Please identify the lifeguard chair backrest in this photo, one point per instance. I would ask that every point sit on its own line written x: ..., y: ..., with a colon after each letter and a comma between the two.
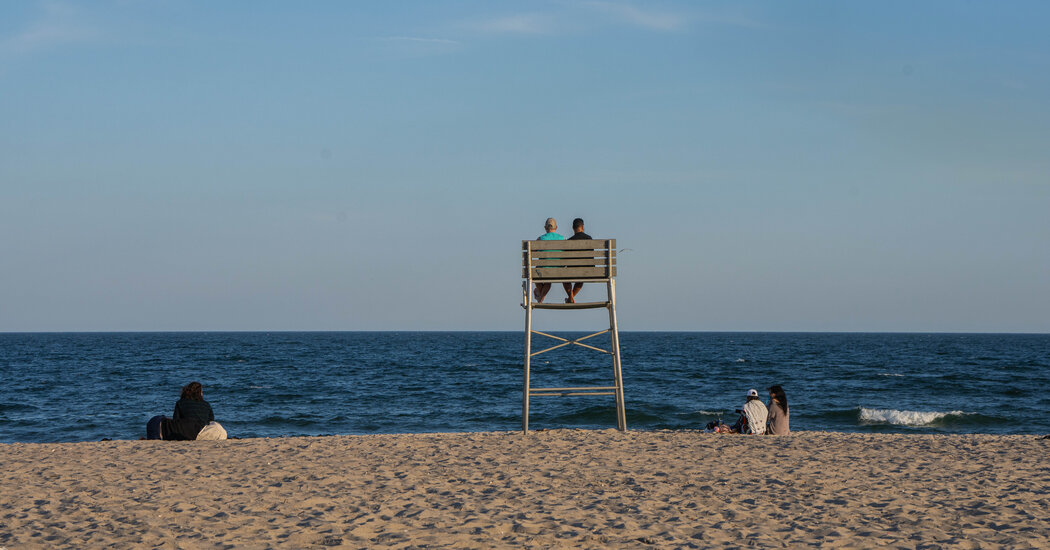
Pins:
x: 577, y: 260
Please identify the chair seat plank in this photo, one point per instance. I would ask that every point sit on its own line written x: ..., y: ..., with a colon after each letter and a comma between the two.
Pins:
x: 580, y: 244
x: 541, y: 254
x: 574, y: 262
x: 577, y: 305
x: 573, y: 272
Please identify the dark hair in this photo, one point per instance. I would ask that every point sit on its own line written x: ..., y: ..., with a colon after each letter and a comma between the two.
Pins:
x: 778, y: 395
x: 577, y: 223
x: 193, y: 391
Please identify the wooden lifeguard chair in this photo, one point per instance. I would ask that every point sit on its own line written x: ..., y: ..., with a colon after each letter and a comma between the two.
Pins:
x: 571, y: 261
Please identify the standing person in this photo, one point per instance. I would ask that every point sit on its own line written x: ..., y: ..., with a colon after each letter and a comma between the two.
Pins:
x: 549, y: 226
x: 571, y: 290
x: 778, y: 412
x: 192, y: 413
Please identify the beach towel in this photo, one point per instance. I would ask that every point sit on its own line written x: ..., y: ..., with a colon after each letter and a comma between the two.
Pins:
x: 756, y: 414
x: 213, y: 431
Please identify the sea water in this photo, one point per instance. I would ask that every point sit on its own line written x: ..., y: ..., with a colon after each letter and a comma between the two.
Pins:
x: 84, y: 386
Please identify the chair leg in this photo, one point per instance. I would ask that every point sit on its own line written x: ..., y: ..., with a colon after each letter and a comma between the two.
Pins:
x: 528, y: 358
x: 621, y: 413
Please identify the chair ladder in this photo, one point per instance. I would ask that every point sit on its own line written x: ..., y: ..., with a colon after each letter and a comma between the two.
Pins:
x: 616, y: 389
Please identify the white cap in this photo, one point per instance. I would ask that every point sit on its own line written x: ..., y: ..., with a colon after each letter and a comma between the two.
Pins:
x: 752, y: 393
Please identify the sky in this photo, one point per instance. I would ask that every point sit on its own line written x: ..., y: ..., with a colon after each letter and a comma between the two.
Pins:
x: 764, y: 166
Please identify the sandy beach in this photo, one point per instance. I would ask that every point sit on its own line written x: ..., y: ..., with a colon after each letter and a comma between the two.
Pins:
x: 559, y: 488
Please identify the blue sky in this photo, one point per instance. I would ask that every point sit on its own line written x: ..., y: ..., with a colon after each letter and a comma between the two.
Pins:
x: 821, y: 166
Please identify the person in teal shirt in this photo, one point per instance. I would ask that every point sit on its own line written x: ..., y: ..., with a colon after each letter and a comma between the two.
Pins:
x: 550, y: 226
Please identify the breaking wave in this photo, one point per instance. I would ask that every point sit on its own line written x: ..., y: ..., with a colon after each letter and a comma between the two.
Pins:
x: 906, y: 418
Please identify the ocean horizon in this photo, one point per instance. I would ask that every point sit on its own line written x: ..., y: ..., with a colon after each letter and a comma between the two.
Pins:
x: 84, y: 386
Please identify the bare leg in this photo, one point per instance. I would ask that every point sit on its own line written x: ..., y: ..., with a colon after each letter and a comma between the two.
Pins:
x: 576, y: 290
x: 541, y: 291
x: 570, y: 296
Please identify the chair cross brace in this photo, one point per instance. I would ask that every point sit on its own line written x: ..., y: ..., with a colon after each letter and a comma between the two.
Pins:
x: 568, y: 342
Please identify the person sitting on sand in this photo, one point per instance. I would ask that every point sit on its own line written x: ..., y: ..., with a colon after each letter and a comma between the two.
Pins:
x: 191, y: 414
x: 778, y: 412
x: 550, y: 226
x: 753, y: 416
x: 571, y: 289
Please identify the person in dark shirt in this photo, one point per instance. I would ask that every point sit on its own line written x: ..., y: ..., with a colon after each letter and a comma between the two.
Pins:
x: 191, y: 414
x: 571, y: 289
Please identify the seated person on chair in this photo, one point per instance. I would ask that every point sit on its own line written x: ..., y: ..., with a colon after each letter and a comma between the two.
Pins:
x: 571, y: 290
x: 543, y: 288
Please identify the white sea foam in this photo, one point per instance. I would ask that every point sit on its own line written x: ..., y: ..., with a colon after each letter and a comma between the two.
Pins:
x: 889, y: 374
x: 903, y: 418
x: 711, y: 413
x: 741, y: 360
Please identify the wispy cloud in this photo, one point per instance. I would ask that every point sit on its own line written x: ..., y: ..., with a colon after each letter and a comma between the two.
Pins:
x: 632, y: 15
x: 57, y: 26
x: 422, y: 40
x: 524, y: 23
x: 584, y: 15
x: 730, y: 20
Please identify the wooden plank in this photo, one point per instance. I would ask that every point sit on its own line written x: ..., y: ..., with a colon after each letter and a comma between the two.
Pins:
x: 575, y: 394
x: 593, y: 262
x: 578, y: 388
x: 571, y: 245
x: 601, y: 279
x: 563, y: 305
x: 573, y: 272
x: 573, y: 254
x: 587, y: 280
x: 582, y: 244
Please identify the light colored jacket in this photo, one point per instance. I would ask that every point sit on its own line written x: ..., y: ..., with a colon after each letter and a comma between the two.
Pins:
x: 756, y: 414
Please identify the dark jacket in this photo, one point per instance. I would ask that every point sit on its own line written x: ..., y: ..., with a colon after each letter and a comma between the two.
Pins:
x: 190, y: 416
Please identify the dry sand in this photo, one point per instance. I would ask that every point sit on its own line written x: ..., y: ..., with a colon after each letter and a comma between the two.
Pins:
x: 561, y: 488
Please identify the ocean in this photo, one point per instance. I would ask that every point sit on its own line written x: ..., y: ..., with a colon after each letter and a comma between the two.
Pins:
x: 59, y: 387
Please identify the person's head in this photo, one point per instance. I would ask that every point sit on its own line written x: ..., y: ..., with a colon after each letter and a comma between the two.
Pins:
x: 776, y: 393
x: 752, y: 395
x: 550, y: 225
x: 193, y: 391
x: 577, y: 225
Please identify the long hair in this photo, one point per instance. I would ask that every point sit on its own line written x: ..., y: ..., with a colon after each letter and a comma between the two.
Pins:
x: 193, y: 391
x: 779, y: 397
